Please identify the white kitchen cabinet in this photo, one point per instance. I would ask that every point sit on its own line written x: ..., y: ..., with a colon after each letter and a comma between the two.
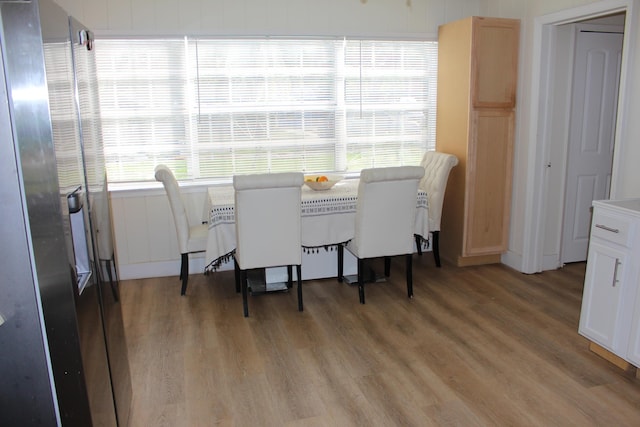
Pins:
x: 602, y: 299
x: 633, y: 352
x: 610, y: 314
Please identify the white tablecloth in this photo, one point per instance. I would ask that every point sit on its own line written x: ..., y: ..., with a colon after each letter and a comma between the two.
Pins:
x: 328, y: 218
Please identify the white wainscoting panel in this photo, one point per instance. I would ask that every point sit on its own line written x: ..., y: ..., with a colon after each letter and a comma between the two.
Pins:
x: 146, y: 244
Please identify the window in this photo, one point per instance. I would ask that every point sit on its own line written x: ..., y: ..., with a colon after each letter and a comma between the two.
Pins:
x: 211, y: 108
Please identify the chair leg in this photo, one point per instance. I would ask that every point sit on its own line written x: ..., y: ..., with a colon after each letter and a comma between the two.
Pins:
x: 340, y: 263
x: 418, y: 244
x: 184, y: 273
x: 436, y: 247
x: 289, y: 277
x: 245, y: 303
x: 361, y: 280
x: 409, y: 275
x: 299, y: 272
x: 387, y: 266
x: 237, y: 275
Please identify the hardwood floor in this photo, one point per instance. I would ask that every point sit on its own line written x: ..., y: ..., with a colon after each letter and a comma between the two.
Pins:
x: 476, y: 346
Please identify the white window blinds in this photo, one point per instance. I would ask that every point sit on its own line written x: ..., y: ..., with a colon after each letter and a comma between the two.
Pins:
x: 211, y: 108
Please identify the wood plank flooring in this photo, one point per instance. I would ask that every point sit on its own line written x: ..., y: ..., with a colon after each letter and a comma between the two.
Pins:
x: 476, y: 346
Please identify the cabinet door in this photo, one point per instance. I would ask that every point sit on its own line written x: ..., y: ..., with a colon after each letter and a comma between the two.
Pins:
x: 494, y: 62
x: 633, y: 352
x: 488, y: 195
x: 603, y: 297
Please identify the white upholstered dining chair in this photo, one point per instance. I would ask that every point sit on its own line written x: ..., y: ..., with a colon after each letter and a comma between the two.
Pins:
x: 191, y: 238
x: 268, y: 226
x: 385, y: 217
x: 437, y: 166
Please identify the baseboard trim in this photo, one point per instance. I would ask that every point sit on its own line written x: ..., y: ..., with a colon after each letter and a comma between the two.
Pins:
x: 163, y: 269
x: 320, y: 264
x: 467, y: 261
x: 513, y: 260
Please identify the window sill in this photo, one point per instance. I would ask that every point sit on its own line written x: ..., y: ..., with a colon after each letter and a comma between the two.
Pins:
x: 142, y: 188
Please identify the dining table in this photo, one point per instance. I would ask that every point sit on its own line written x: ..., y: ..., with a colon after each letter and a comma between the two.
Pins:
x: 327, y: 219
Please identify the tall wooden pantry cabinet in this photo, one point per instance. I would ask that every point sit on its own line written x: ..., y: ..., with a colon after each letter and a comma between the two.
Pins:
x: 477, y: 77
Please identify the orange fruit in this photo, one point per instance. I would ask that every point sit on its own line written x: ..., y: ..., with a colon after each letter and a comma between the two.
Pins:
x: 323, y: 179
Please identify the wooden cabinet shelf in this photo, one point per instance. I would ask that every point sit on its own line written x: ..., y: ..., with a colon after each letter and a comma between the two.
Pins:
x: 477, y: 76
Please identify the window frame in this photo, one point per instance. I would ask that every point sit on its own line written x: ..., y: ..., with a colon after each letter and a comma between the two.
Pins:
x: 187, y: 140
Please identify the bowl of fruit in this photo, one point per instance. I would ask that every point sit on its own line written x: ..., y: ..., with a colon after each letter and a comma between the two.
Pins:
x: 321, y: 182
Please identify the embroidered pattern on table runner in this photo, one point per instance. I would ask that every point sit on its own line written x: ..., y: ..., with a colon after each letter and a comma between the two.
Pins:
x: 312, y: 204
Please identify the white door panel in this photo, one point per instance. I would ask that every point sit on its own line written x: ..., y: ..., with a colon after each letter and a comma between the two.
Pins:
x: 586, y: 187
x: 592, y: 127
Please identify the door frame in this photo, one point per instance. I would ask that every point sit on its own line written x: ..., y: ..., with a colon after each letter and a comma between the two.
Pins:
x: 540, y: 117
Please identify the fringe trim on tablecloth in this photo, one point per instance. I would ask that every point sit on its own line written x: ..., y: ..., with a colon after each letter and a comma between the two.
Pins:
x: 216, y: 263
x: 327, y: 248
x: 424, y: 243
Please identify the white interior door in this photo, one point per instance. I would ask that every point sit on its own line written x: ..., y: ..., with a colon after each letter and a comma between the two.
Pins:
x: 596, y: 78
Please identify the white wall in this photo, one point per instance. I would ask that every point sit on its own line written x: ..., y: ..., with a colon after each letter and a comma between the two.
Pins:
x: 527, y: 245
x: 389, y: 18
x: 270, y: 17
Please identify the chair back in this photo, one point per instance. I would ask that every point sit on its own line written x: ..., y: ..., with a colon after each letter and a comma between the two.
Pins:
x: 437, y: 167
x: 164, y: 175
x: 386, y: 210
x: 268, y: 223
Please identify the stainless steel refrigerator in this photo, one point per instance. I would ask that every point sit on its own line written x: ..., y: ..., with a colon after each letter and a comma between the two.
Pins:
x: 63, y: 356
